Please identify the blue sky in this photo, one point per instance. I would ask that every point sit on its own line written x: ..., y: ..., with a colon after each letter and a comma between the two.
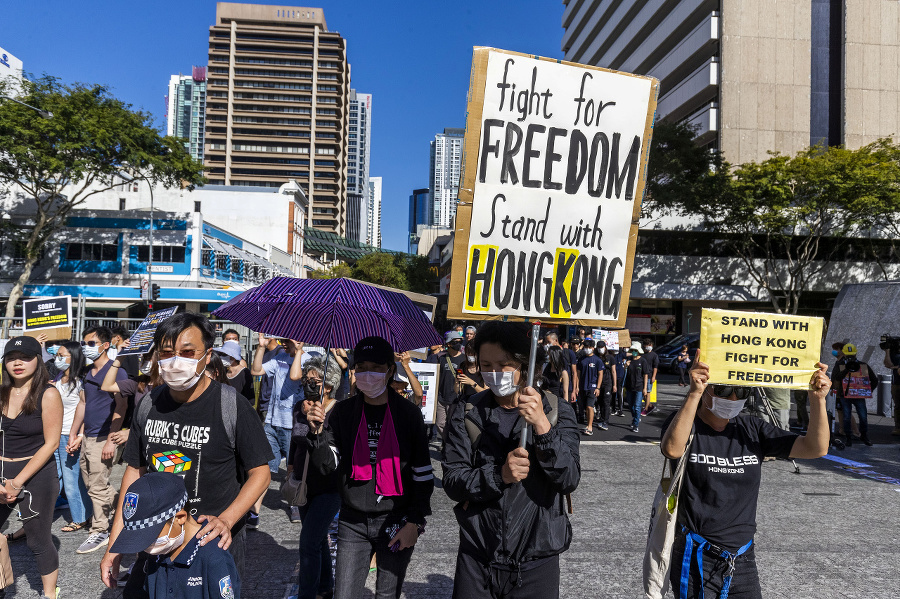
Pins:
x: 414, y: 56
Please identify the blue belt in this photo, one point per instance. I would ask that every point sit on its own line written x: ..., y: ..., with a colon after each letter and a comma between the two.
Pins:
x: 694, y: 542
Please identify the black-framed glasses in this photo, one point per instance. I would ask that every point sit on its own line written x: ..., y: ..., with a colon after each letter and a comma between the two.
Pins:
x: 91, y: 343
x: 726, y: 391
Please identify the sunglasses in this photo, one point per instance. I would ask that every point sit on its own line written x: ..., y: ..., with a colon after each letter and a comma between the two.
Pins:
x: 726, y: 391
x: 91, y: 343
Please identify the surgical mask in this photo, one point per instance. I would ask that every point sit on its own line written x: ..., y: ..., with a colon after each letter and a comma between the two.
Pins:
x: 112, y: 352
x: 500, y: 382
x: 166, y: 544
x: 648, y: 348
x: 588, y: 351
x: 146, y: 366
x: 602, y: 350
x: 834, y: 353
x: 61, y: 364
x: 471, y: 359
x: 52, y: 350
x: 372, y: 384
x: 726, y: 408
x: 91, y: 352
x: 180, y: 374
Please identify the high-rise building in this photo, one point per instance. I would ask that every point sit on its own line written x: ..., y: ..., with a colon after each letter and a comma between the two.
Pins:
x: 277, y: 103
x: 420, y: 213
x: 10, y: 73
x: 446, y: 160
x: 186, y: 109
x: 374, y: 212
x: 359, y: 160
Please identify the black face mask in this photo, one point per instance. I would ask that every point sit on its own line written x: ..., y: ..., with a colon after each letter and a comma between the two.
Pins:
x: 311, y: 391
x: 455, y: 345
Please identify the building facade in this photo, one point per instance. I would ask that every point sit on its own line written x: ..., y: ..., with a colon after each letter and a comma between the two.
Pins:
x: 277, y: 105
x: 420, y: 213
x: 446, y: 163
x: 373, y: 215
x: 186, y: 110
x: 11, y: 69
x: 359, y: 159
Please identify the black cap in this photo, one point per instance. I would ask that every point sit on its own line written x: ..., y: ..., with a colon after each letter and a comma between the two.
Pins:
x: 150, y: 502
x: 26, y: 345
x: 600, y: 343
x: 373, y: 349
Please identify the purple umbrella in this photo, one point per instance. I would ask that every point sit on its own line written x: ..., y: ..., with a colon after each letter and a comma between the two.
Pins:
x: 331, y: 313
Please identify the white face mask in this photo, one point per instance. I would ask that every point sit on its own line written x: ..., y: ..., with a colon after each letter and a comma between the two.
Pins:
x: 602, y: 350
x: 180, y: 374
x: 471, y: 359
x: 61, y: 364
x: 588, y: 351
x: 165, y: 544
x: 648, y: 348
x: 146, y: 366
x: 726, y: 408
x: 372, y: 384
x: 91, y: 352
x: 501, y: 383
x: 112, y: 352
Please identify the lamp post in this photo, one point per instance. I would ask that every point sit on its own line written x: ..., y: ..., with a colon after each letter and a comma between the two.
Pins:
x: 688, y: 316
x: 44, y: 113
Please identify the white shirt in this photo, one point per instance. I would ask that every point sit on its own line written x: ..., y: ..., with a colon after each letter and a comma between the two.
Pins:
x: 70, y: 394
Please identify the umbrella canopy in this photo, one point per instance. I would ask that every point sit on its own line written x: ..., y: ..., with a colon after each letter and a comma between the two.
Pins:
x: 331, y: 313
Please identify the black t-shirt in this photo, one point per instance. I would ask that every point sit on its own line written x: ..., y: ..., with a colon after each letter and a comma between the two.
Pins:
x: 374, y: 420
x: 131, y: 364
x: 608, y: 365
x: 651, y: 359
x: 634, y: 375
x: 243, y: 384
x: 189, y: 439
x: 447, y: 389
x: 721, y: 481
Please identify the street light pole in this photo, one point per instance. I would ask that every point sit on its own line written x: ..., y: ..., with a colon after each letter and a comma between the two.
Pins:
x: 150, y: 264
x: 44, y: 113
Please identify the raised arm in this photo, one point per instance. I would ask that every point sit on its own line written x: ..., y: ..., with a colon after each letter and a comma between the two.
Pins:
x: 818, y: 434
x: 257, y: 368
x: 109, y: 381
x: 296, y: 372
x: 675, y: 439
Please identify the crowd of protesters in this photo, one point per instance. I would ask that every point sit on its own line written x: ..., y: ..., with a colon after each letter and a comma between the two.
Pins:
x: 203, y: 432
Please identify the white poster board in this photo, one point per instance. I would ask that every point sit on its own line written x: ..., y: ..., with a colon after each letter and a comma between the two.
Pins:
x: 555, y: 182
x: 427, y: 375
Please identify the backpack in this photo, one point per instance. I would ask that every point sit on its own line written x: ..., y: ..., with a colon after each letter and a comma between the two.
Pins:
x: 475, y: 432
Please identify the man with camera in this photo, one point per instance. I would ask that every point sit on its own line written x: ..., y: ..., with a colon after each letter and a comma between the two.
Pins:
x: 891, y: 347
x: 854, y: 383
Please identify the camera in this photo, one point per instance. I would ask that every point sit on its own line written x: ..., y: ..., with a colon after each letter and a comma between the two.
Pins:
x: 891, y: 345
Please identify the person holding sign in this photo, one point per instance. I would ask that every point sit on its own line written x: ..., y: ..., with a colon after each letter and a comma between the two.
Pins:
x: 713, y: 554
x: 512, y: 528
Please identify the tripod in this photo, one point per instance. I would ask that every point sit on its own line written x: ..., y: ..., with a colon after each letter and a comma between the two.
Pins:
x: 761, y: 394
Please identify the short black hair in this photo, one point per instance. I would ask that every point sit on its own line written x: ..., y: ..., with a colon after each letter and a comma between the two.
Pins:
x: 172, y: 327
x: 120, y: 332
x: 512, y: 337
x: 230, y: 332
x: 648, y: 341
x: 103, y: 333
x: 589, y: 343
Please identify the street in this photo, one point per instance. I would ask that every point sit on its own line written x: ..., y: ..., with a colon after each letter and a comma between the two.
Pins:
x: 822, y: 533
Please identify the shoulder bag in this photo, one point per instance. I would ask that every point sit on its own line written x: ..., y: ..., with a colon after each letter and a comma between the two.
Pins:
x: 293, y: 491
x: 663, y: 522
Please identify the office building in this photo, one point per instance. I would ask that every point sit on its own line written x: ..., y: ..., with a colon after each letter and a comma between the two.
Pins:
x: 359, y: 159
x: 277, y: 104
x: 446, y: 160
x: 11, y: 70
x: 186, y: 110
x: 373, y: 219
x: 420, y: 213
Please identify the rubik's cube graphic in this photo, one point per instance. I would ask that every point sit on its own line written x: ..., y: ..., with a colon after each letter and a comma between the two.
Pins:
x: 170, y: 461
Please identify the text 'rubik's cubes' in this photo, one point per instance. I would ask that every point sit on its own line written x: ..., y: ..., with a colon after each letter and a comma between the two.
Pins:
x: 170, y: 461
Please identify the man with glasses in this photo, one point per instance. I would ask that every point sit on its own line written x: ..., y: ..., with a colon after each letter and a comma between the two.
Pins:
x: 103, y: 414
x: 201, y: 430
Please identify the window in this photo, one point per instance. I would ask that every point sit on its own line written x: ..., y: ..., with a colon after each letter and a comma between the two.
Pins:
x: 197, y: 206
x: 94, y: 252
x: 121, y: 203
x: 161, y: 253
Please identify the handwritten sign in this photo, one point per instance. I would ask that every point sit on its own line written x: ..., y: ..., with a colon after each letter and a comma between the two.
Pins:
x: 141, y: 340
x: 752, y: 349
x: 554, y: 168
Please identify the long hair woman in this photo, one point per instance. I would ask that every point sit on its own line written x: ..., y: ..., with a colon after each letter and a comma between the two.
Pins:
x: 31, y: 425
x: 71, y: 364
x: 512, y: 523
x: 376, y: 442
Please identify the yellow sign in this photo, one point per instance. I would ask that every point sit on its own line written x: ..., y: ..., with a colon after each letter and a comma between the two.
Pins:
x: 753, y: 349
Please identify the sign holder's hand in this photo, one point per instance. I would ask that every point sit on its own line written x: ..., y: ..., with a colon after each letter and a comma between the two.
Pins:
x: 699, y: 375
x: 819, y: 384
x: 516, y: 467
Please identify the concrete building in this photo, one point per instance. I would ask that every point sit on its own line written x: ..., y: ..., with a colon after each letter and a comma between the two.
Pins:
x: 373, y: 218
x: 186, y: 110
x: 359, y: 160
x: 753, y: 76
x: 11, y: 69
x: 421, y: 213
x: 446, y: 162
x: 277, y: 105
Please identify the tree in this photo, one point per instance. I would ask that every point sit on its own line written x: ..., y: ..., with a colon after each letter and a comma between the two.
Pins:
x: 382, y: 268
x: 335, y: 272
x: 419, y: 274
x: 91, y: 139
x: 785, y: 217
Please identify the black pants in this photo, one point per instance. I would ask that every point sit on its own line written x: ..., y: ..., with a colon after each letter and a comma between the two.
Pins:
x: 744, y: 581
x: 360, y: 536
x: 603, y: 405
x: 44, y: 489
x: 682, y: 376
x: 476, y: 580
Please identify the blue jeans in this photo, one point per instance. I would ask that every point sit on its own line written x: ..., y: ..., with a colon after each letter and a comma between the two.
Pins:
x: 316, y: 575
x: 861, y: 410
x: 68, y: 469
x: 636, y: 399
x: 280, y: 442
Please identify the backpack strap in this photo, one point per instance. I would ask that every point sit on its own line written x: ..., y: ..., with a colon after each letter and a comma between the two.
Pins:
x: 229, y: 413
x: 475, y: 432
x: 143, y: 410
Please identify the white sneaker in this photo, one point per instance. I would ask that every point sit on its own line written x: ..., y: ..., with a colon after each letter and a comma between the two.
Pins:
x: 295, y: 515
x: 94, y: 542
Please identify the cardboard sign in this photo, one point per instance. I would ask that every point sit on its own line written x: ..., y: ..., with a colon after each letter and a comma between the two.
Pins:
x: 553, y: 176
x: 141, y: 340
x: 50, y: 316
x: 428, y: 376
x: 751, y: 349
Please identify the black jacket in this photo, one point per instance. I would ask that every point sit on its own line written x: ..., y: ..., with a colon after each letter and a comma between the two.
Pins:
x: 332, y: 450
x: 316, y: 482
x: 503, y: 524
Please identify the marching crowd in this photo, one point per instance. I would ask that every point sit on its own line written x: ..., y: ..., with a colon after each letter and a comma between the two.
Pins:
x: 200, y: 447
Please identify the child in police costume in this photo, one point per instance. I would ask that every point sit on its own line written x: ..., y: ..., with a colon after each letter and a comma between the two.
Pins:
x: 179, y: 567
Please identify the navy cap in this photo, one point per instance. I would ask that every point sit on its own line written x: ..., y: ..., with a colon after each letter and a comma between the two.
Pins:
x: 26, y: 345
x: 373, y: 349
x: 150, y: 502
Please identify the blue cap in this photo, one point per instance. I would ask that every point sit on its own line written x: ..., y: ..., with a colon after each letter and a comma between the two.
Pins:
x: 150, y: 502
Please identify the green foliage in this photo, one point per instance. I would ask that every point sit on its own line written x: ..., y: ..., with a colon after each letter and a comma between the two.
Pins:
x: 335, y: 272
x: 382, y: 268
x: 420, y: 275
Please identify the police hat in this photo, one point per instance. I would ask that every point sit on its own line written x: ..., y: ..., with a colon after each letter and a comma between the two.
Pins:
x: 150, y: 502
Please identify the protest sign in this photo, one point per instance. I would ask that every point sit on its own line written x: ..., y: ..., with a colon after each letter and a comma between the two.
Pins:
x: 51, y: 316
x: 753, y: 349
x: 141, y: 340
x: 427, y: 375
x: 554, y: 164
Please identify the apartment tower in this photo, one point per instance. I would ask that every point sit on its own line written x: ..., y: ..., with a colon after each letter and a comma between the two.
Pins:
x: 446, y: 162
x: 277, y: 104
x: 186, y: 110
x: 359, y: 160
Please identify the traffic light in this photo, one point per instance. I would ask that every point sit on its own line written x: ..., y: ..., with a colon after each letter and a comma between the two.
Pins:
x: 154, y: 292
